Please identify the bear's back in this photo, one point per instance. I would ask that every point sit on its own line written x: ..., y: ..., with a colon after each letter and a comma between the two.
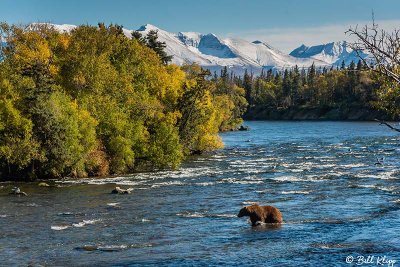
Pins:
x: 272, y: 214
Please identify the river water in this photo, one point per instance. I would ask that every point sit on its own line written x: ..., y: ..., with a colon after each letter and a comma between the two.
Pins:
x: 336, y: 202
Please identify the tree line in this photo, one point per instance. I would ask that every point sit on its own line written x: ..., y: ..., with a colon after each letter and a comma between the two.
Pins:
x: 353, y: 86
x: 93, y: 102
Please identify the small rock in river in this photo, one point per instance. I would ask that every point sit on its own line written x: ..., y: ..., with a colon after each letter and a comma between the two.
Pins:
x: 18, y: 192
x: 43, y: 184
x: 243, y: 128
x: 119, y: 190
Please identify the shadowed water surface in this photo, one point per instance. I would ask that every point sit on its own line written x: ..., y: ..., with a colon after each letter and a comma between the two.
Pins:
x: 322, y: 175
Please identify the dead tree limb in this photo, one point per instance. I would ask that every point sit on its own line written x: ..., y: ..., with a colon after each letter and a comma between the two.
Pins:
x: 383, y: 47
x: 388, y: 125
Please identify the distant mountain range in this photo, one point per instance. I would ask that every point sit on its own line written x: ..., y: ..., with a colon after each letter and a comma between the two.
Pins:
x: 332, y: 53
x: 213, y: 52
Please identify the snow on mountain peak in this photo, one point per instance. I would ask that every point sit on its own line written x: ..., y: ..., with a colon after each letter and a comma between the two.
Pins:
x: 147, y: 27
x: 211, y: 45
x: 333, y: 53
x: 258, y: 42
x: 190, y: 38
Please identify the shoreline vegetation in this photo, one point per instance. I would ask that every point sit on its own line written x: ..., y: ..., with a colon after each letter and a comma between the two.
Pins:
x: 352, y: 92
x: 93, y: 102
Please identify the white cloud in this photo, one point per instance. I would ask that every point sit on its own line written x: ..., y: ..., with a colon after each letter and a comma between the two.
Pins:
x: 287, y: 39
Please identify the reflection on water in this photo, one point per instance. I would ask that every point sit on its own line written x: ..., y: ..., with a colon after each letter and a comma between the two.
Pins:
x: 323, y: 176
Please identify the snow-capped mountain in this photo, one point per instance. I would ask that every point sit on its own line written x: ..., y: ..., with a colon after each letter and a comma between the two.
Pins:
x: 214, y: 53
x: 332, y: 53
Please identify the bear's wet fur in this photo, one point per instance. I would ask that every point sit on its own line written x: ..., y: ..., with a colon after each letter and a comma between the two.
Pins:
x: 263, y: 214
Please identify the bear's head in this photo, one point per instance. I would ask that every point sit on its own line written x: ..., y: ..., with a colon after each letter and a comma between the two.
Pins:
x: 246, y: 211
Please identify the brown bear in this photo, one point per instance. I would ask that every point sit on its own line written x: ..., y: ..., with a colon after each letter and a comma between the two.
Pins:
x: 263, y: 214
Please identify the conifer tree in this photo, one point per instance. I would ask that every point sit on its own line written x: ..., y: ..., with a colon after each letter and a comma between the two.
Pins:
x: 303, y: 77
x: 296, y: 85
x: 311, y: 82
x: 286, y: 88
x: 343, y: 65
x: 138, y: 36
x: 311, y: 75
x: 247, y: 85
x: 270, y: 75
x: 159, y: 47
x: 224, y: 74
x: 352, y: 78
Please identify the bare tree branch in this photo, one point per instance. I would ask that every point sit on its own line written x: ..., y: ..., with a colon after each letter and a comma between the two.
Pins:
x: 388, y: 125
x: 383, y: 46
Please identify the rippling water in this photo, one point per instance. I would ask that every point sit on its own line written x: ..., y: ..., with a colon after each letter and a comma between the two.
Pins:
x: 322, y: 175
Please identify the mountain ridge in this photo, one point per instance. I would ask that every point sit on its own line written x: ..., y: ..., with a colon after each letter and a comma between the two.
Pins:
x: 333, y: 53
x: 213, y: 52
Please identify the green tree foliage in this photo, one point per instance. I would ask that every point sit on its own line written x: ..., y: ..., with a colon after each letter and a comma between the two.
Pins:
x: 197, y: 126
x: 389, y: 96
x: 230, y: 100
x: 354, y: 86
x: 66, y: 134
x: 94, y: 102
x: 17, y: 146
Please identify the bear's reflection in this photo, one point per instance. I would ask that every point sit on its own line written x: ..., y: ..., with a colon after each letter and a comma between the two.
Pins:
x: 266, y: 227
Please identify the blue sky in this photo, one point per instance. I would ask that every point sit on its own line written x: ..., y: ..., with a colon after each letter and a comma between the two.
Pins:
x: 283, y: 23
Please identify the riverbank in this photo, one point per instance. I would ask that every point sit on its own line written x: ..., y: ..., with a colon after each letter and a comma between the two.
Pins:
x: 316, y: 113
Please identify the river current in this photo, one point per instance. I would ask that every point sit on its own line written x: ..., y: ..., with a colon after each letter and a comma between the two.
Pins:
x: 337, y: 185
